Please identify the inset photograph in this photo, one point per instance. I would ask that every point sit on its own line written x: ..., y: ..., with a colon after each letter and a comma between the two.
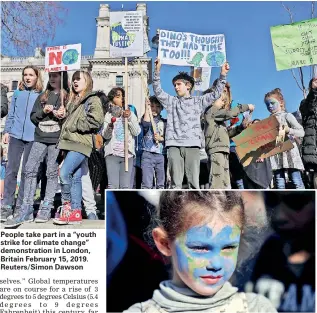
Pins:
x: 223, y: 251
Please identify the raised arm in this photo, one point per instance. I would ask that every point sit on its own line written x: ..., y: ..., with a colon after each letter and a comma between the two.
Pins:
x: 160, y: 94
x: 310, y: 103
x: 216, y: 92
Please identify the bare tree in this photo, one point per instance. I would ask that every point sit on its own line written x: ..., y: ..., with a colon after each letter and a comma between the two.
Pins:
x: 300, y: 80
x: 27, y: 25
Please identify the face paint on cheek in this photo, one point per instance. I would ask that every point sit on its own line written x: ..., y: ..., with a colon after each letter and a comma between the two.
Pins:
x: 182, y: 259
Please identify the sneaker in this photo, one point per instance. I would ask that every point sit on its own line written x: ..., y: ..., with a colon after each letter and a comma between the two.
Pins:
x: 68, y: 216
x: 44, y: 213
x: 5, y: 212
x: 92, y: 216
x: 23, y: 215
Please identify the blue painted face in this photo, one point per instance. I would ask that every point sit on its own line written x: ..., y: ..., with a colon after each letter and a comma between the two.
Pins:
x: 272, y: 105
x: 206, y: 256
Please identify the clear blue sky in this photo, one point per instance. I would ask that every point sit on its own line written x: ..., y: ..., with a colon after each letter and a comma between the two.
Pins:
x: 246, y: 26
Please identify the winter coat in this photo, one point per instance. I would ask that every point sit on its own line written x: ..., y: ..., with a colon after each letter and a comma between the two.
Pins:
x: 81, y: 123
x: 308, y: 110
x: 216, y: 133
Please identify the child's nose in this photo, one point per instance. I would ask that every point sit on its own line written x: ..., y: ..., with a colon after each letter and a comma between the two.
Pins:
x: 215, y: 264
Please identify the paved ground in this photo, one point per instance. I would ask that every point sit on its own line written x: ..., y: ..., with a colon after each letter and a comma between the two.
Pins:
x: 86, y: 224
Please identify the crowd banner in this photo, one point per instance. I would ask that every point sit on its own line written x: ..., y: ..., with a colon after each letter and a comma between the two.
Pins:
x: 258, y: 140
x: 63, y: 58
x: 126, y: 34
x: 187, y: 49
x: 202, y: 78
x: 295, y: 45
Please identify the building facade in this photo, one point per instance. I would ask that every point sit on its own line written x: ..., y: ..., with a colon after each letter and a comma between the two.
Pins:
x: 106, y: 72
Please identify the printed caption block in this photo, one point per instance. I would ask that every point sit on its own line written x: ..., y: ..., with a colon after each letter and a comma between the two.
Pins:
x: 53, y: 271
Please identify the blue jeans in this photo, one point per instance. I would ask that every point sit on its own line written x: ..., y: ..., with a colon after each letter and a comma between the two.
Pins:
x: 294, y: 176
x: 152, y: 163
x: 70, y: 176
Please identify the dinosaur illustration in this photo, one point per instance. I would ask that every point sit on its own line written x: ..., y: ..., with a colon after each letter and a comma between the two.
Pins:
x: 196, y: 59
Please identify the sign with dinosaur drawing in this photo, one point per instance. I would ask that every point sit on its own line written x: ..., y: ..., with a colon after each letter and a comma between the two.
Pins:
x: 187, y: 49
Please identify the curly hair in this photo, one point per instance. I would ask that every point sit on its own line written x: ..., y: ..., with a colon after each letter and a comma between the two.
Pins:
x: 113, y: 92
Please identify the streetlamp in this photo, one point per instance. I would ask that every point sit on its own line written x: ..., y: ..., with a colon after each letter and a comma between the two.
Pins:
x: 155, y: 40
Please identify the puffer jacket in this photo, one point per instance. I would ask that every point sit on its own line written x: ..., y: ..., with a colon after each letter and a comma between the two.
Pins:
x: 308, y: 110
x: 83, y: 119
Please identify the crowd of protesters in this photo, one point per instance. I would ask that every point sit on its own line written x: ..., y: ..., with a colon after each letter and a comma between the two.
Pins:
x: 79, y: 136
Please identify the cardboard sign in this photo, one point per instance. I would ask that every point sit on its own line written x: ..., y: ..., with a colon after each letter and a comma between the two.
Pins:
x: 258, y: 140
x: 187, y: 49
x: 126, y: 34
x: 263, y: 152
x: 295, y: 45
x: 63, y: 58
x: 258, y: 134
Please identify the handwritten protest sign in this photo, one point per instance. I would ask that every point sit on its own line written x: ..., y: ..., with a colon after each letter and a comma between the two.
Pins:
x: 295, y: 45
x: 202, y: 77
x: 187, y: 49
x: 263, y: 152
x: 63, y: 58
x: 258, y: 140
x: 126, y: 34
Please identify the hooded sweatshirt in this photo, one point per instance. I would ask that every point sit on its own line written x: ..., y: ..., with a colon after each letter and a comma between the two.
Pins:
x: 170, y: 298
x: 183, y: 128
x: 48, y: 127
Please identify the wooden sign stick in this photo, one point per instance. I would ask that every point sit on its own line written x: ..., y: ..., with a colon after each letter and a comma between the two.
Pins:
x: 126, y: 135
x: 146, y: 90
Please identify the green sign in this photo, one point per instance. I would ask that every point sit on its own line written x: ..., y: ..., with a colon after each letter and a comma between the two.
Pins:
x: 295, y: 45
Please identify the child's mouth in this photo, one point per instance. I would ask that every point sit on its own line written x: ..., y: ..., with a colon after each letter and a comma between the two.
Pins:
x: 211, y: 280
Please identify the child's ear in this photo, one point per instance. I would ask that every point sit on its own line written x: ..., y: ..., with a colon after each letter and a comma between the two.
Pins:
x: 161, y: 241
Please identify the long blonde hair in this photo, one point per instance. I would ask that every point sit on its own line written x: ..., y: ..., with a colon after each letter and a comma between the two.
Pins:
x: 39, y: 83
x: 89, y: 85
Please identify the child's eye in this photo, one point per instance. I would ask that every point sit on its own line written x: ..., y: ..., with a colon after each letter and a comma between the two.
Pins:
x: 199, y: 248
x: 229, y: 248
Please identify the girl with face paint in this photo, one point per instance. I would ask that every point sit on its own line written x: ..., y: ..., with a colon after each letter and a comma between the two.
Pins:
x: 290, y: 160
x: 201, y: 232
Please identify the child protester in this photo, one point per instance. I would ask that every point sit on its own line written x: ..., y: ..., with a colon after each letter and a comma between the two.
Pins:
x: 289, y: 160
x: 202, y: 233
x: 217, y: 139
x: 183, y: 129
x: 48, y: 127
x: 84, y: 117
x: 153, y: 146
x: 113, y: 132
x: 19, y: 130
